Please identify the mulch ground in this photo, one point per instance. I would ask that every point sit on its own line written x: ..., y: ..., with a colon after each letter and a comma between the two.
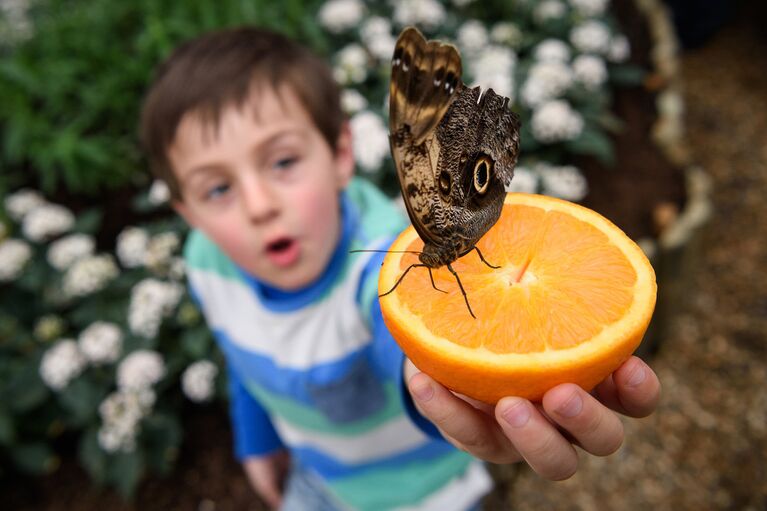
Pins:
x: 705, y: 446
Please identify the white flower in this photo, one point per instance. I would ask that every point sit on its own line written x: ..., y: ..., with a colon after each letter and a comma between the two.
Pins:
x: 619, y: 50
x: 590, y: 7
x: 506, y: 32
x: 14, y: 255
x: 472, y: 36
x: 61, y: 363
x: 525, y: 180
x: 376, y: 35
x: 565, y: 182
x: 101, y: 342
x: 176, y: 268
x: 590, y: 70
x: 591, y: 37
x: 494, y: 68
x: 151, y: 301
x: 17, y: 24
x: 159, y: 193
x: 546, y: 80
x: 552, y: 50
x: 132, y: 245
x: 351, y: 64
x: 555, y: 121
x: 374, y: 26
x: 47, y: 220
x: 140, y: 370
x: 65, y: 251
x: 429, y: 14
x: 20, y: 203
x: 340, y: 15
x: 160, y: 249
x: 89, y: 274
x: 121, y: 414
x: 198, y: 380
x: 352, y: 101
x: 370, y: 140
x: 549, y: 10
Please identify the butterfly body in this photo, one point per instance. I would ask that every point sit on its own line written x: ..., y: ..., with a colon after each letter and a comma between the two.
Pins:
x: 454, y: 148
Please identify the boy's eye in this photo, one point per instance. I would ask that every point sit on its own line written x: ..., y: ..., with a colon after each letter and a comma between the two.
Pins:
x: 216, y: 191
x: 284, y: 163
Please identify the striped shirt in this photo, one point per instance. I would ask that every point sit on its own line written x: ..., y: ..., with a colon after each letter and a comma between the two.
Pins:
x: 316, y: 371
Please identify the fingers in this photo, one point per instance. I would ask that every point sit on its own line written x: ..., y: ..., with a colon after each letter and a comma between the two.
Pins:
x: 540, y: 443
x: 594, y: 426
x: 463, y: 425
x: 633, y: 389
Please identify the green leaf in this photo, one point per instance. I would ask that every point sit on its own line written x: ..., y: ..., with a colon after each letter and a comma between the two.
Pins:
x: 162, y: 435
x: 82, y: 398
x: 88, y: 221
x: 91, y: 456
x: 34, y: 458
x: 627, y: 74
x: 195, y: 342
x: 7, y: 430
x: 26, y: 390
x: 593, y: 143
x: 125, y: 471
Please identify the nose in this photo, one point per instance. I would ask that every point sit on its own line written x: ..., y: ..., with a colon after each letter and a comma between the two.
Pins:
x: 258, y: 199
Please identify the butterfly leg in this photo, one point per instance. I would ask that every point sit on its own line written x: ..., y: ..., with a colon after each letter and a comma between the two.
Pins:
x: 463, y: 292
x: 432, y: 281
x: 483, y: 258
x: 400, y: 279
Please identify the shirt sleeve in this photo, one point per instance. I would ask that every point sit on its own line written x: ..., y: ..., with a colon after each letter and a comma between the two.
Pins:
x: 254, y: 434
x: 388, y: 356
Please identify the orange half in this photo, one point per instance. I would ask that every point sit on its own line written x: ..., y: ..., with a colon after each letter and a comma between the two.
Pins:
x: 570, y: 303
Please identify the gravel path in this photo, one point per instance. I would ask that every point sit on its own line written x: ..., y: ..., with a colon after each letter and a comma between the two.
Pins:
x: 706, y: 446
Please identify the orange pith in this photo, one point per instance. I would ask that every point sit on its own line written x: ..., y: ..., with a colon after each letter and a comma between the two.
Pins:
x: 569, y: 303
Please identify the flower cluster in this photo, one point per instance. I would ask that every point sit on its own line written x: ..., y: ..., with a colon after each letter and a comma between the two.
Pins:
x: 198, y: 380
x: 151, y: 301
x: 121, y: 415
x: 554, y: 62
x: 61, y: 364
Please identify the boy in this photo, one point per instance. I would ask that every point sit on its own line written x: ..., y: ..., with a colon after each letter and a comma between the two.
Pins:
x: 246, y: 129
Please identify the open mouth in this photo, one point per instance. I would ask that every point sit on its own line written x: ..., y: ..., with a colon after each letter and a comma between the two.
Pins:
x: 283, y: 252
x: 279, y: 246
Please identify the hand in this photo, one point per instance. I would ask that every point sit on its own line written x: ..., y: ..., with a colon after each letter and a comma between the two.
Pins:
x: 267, y: 475
x: 541, y: 434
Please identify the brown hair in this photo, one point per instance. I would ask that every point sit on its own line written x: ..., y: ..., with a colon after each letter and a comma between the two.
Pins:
x: 218, y: 70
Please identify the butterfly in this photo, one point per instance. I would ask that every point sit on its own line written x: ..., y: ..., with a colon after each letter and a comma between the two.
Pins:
x: 454, y: 148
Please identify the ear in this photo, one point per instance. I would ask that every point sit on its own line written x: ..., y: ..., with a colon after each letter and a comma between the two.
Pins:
x: 184, y: 212
x: 344, y: 156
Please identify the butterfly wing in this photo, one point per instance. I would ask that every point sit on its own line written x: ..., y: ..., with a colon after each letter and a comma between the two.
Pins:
x: 426, y: 76
x: 479, y: 137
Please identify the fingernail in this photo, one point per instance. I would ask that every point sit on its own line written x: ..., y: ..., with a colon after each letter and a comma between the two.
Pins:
x: 572, y: 406
x: 422, y: 392
x: 637, y: 376
x: 517, y: 415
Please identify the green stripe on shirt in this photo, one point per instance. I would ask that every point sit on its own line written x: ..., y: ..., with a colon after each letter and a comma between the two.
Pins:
x: 387, y: 488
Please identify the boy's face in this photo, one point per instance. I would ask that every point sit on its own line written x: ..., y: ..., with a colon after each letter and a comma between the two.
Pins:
x: 264, y: 186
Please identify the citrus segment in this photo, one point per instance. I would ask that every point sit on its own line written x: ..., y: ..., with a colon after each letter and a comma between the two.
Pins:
x: 569, y: 302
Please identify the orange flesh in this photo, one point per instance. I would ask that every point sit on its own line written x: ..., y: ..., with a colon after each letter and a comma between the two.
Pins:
x: 549, y: 293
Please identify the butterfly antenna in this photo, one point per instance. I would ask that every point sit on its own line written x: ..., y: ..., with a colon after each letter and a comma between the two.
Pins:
x: 463, y: 292
x: 387, y: 251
